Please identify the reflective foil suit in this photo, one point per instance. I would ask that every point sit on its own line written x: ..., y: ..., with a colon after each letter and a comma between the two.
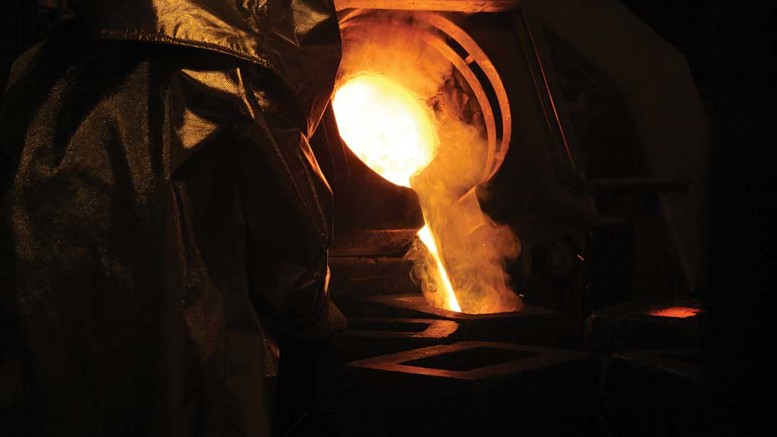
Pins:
x: 163, y: 216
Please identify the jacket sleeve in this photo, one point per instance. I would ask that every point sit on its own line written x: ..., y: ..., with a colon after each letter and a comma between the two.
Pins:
x: 286, y: 204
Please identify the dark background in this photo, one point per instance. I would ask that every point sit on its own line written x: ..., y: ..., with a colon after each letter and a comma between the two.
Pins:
x: 730, y: 50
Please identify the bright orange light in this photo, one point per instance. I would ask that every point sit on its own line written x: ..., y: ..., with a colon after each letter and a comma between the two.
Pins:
x: 678, y: 312
x: 385, y: 126
x: 390, y: 131
x: 426, y: 237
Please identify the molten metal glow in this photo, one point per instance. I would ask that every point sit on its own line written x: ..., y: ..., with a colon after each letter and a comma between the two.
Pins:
x: 426, y: 237
x: 385, y: 126
x: 391, y: 132
x: 676, y: 312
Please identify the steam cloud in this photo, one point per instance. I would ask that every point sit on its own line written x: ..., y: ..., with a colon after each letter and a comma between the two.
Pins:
x: 473, y: 246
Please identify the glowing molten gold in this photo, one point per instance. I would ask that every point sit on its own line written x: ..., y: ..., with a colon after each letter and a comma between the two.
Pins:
x: 677, y: 312
x: 426, y: 237
x: 385, y: 126
x: 391, y: 132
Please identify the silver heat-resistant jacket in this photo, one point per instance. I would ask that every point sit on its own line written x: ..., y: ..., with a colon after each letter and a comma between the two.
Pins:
x: 163, y: 216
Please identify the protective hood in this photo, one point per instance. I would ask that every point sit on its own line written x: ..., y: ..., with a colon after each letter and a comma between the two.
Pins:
x: 163, y: 217
x: 298, y: 40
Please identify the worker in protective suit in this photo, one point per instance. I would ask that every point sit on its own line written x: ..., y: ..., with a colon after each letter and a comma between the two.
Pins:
x: 164, y: 222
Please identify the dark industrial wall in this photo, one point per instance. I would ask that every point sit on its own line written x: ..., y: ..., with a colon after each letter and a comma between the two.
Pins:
x: 742, y: 262
x: 731, y: 51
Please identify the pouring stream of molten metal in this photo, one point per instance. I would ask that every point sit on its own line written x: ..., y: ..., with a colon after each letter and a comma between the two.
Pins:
x: 391, y: 132
x: 426, y: 237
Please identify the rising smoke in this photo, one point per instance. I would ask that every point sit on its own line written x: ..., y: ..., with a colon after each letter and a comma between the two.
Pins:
x: 473, y: 246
